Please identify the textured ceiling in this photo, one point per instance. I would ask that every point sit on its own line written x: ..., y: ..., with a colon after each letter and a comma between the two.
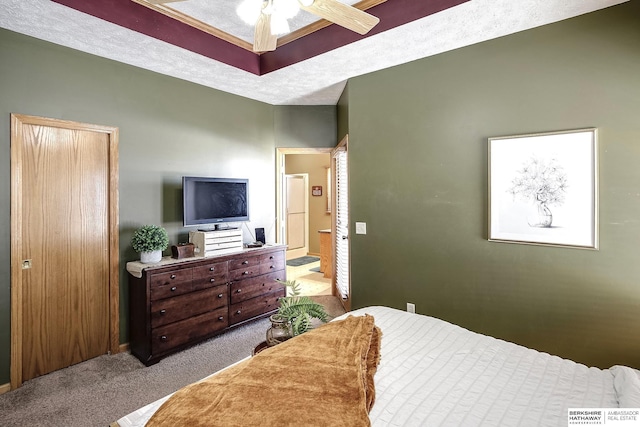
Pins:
x: 316, y: 81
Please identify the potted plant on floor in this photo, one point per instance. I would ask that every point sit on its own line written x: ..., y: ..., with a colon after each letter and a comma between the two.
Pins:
x: 150, y: 241
x: 294, y: 315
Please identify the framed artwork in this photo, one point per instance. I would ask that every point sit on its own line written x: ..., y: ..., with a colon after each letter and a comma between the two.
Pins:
x: 543, y: 189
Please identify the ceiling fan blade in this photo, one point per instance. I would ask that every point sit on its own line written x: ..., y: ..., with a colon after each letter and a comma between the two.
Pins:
x: 342, y: 14
x: 263, y: 40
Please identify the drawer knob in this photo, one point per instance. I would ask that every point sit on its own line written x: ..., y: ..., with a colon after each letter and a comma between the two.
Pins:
x: 238, y: 291
x: 163, y: 311
x: 244, y: 273
x: 220, y: 295
x: 173, y: 276
x: 271, y: 257
x: 239, y: 312
x: 173, y: 288
x: 272, y: 267
x: 221, y: 318
x: 212, y: 280
x: 212, y: 269
x: 163, y: 338
x: 245, y: 262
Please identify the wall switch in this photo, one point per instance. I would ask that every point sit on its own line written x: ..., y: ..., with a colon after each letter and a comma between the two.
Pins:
x: 411, y: 308
x: 361, y: 228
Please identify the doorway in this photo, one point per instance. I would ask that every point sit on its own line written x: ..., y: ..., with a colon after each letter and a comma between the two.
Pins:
x: 303, y: 260
x: 64, y: 244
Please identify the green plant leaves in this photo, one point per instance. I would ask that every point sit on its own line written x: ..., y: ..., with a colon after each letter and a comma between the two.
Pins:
x: 299, y: 310
x: 149, y: 238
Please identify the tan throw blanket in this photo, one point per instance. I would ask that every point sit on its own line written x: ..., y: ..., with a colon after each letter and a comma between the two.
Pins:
x: 323, y: 377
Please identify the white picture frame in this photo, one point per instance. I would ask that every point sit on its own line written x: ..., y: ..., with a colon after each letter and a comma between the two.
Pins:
x: 543, y: 189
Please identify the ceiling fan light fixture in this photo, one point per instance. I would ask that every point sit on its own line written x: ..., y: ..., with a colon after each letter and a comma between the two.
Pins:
x: 286, y: 8
x: 249, y: 11
x: 279, y: 25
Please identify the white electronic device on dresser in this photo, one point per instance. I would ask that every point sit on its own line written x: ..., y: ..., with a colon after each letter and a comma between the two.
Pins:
x: 216, y: 242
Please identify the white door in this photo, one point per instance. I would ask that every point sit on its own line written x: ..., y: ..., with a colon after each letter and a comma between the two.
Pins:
x: 297, y: 215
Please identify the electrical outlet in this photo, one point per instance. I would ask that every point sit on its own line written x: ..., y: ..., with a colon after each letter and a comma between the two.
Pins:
x: 411, y: 308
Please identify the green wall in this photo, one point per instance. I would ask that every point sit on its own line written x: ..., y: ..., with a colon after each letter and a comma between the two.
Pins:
x: 418, y: 178
x: 168, y: 128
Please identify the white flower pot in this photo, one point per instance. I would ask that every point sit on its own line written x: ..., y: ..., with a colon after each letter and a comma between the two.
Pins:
x: 150, y: 257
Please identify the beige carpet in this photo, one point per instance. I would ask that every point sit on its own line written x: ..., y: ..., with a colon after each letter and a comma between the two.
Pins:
x: 106, y: 388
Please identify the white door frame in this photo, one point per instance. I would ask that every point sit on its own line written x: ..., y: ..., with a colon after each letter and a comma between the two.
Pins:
x: 281, y: 154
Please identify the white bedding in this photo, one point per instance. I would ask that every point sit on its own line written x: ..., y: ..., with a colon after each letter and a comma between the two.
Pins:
x: 433, y: 373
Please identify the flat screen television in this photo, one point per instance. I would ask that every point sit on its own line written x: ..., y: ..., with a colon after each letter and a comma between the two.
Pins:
x: 208, y: 201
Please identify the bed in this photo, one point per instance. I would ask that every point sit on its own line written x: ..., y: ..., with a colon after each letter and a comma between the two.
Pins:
x: 434, y: 373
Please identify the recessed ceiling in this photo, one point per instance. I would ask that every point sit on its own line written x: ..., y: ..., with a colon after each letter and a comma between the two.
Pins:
x: 311, y: 70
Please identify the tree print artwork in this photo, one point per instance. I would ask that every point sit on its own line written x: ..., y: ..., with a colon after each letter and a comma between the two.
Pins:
x: 543, y: 189
x: 544, y: 183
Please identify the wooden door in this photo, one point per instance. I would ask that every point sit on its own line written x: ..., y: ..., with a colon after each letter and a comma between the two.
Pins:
x: 64, y: 244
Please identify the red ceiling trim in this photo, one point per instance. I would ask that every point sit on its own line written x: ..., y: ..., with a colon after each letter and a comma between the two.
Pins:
x: 392, y: 13
x: 136, y: 17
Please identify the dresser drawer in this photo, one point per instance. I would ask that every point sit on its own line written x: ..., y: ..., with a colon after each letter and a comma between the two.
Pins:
x: 271, y: 266
x: 170, y: 290
x: 255, y: 286
x: 242, y: 263
x: 209, y: 281
x: 272, y: 257
x: 244, y: 273
x: 172, y: 277
x: 192, y: 329
x: 254, y: 307
x: 210, y: 270
x: 171, y: 310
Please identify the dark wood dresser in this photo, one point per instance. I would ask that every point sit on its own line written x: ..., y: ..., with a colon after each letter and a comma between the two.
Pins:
x: 178, y: 303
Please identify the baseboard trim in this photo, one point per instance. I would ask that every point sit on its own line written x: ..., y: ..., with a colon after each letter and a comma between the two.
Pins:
x: 5, y: 388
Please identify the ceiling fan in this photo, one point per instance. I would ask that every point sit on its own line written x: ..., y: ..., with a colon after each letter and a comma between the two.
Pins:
x: 270, y: 17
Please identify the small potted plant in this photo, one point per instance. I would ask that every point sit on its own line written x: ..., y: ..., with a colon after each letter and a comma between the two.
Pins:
x: 150, y: 241
x: 294, y: 315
